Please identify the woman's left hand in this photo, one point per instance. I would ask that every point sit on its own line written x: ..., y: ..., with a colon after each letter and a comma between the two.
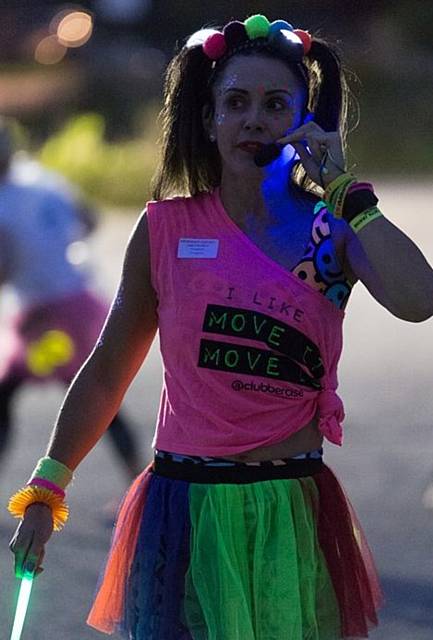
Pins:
x: 321, y: 152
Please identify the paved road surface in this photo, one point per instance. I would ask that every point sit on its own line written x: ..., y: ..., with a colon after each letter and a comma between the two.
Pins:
x: 386, y: 375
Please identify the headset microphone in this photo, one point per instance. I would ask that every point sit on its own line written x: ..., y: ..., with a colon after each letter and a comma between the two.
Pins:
x: 270, y: 152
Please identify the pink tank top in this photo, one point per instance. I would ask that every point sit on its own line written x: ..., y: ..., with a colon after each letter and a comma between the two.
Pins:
x: 250, y: 350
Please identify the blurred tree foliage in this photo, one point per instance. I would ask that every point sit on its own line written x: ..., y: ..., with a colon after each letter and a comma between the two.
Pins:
x: 108, y: 173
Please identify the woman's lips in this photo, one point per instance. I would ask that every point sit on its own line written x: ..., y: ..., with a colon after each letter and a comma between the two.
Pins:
x: 250, y: 147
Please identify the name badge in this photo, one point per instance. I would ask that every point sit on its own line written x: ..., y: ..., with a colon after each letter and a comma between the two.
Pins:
x: 197, y: 248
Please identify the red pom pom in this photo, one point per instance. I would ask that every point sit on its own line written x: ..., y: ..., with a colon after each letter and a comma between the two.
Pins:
x: 305, y: 37
x: 215, y: 46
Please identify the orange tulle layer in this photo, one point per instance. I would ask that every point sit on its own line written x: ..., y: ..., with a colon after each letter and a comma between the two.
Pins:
x: 108, y: 607
x: 19, y: 502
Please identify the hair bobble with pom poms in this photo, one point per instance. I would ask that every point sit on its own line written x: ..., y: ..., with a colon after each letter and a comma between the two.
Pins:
x: 257, y: 27
x: 215, y: 46
x: 305, y: 38
x: 235, y: 35
x: 279, y: 25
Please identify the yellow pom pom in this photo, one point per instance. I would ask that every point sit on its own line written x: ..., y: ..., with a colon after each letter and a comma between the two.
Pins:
x: 19, y: 502
x: 54, y: 349
x: 257, y: 26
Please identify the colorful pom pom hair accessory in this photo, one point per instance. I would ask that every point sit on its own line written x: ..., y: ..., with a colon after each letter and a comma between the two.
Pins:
x: 237, y: 36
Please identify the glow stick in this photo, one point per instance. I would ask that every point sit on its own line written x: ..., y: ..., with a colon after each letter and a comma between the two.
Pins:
x: 22, y: 604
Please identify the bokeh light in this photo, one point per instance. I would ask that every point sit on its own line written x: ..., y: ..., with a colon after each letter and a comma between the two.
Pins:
x: 75, y: 29
x: 70, y: 28
x: 77, y: 252
x: 49, y: 50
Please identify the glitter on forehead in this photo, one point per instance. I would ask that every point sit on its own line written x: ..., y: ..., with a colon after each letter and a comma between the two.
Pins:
x: 261, y: 89
x: 229, y: 82
x: 232, y: 77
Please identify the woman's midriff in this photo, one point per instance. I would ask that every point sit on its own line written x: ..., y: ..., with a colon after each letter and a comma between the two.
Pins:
x: 306, y: 439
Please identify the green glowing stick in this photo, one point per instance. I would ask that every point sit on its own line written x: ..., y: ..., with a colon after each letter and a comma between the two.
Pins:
x: 22, y: 604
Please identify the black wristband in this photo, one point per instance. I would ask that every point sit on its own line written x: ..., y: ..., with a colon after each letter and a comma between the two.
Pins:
x: 358, y: 201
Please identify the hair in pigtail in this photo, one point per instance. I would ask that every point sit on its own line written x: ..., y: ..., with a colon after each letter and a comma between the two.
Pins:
x: 328, y: 98
x: 183, y: 138
x: 332, y: 98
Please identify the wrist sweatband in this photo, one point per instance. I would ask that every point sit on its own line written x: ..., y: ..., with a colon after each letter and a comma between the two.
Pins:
x: 46, y: 485
x: 357, y: 201
x: 353, y: 201
x: 53, y: 471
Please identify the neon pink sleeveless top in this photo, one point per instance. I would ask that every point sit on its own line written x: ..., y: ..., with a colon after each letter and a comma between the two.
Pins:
x: 249, y: 349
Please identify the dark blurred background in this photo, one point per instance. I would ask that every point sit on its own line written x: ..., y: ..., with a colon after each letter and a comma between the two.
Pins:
x: 83, y: 80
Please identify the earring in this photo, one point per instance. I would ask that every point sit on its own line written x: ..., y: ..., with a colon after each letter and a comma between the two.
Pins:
x: 212, y: 137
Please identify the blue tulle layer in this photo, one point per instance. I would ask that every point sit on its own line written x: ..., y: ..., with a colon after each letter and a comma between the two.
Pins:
x: 160, y: 563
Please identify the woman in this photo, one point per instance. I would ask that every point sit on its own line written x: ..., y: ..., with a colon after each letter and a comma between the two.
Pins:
x: 237, y: 529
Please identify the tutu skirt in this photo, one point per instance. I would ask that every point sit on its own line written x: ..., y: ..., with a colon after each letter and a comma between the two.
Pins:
x: 265, y: 552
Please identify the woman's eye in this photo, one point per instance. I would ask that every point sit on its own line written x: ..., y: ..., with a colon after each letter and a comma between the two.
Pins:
x: 235, y: 102
x: 277, y: 105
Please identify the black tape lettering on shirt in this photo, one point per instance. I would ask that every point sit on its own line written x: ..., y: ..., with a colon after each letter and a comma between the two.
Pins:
x: 236, y: 358
x: 277, y: 335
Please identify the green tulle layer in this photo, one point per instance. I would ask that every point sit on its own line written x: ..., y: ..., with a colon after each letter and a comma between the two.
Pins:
x: 256, y: 570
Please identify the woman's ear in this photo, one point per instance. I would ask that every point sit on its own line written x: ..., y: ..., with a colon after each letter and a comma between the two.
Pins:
x: 207, y: 113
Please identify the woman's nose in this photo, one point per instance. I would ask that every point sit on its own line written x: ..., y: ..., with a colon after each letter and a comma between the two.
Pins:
x: 253, y: 119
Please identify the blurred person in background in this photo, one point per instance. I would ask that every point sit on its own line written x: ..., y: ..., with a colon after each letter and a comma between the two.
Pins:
x: 244, y: 262
x: 42, y: 223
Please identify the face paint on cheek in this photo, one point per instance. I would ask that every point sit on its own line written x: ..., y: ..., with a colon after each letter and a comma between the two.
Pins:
x: 220, y: 117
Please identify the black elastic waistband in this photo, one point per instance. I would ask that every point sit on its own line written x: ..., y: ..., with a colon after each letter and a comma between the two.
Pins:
x: 191, y: 472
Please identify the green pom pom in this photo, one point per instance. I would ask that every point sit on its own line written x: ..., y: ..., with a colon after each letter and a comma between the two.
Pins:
x: 257, y: 26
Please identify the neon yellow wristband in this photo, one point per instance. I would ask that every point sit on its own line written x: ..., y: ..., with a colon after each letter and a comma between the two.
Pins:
x: 336, y: 191
x: 363, y: 218
x: 54, y: 471
x: 335, y: 184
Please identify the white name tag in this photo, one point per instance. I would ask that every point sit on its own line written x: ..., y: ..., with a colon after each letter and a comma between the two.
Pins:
x: 197, y: 248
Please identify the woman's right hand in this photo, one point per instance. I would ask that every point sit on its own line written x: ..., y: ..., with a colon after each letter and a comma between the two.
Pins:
x: 30, y: 537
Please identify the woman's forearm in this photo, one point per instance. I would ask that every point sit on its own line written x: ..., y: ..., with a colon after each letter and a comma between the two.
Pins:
x: 403, y: 274
x: 87, y: 410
